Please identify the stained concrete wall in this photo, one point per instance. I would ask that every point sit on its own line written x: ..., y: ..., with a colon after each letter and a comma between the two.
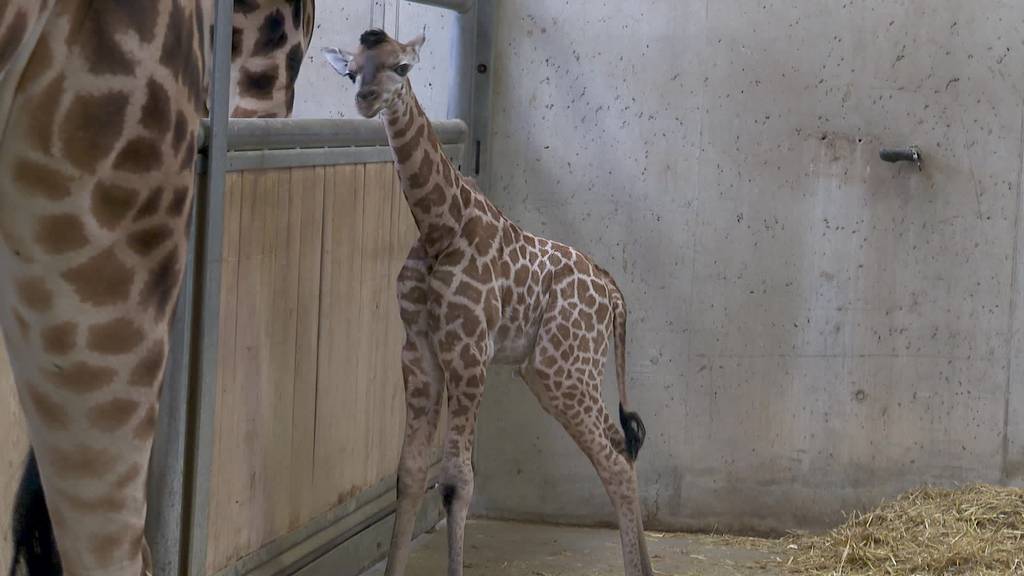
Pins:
x: 811, y: 329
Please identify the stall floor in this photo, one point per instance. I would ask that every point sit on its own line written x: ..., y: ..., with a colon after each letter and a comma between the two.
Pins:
x: 516, y: 549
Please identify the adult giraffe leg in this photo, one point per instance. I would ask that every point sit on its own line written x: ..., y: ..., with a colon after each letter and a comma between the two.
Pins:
x: 96, y: 173
x: 424, y: 388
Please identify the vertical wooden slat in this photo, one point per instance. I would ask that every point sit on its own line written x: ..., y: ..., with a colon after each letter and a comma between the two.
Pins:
x: 283, y: 266
x: 251, y: 297
x: 374, y: 321
x: 340, y: 411
x: 308, y: 189
x: 224, y: 457
x: 394, y: 406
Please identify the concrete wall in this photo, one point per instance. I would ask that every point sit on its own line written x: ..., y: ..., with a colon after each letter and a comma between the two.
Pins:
x: 811, y: 329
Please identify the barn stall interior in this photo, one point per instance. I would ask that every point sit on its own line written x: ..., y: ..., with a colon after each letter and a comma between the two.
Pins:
x: 823, y: 338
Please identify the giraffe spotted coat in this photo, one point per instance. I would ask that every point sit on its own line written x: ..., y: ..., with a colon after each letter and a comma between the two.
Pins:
x: 99, y: 103
x: 477, y: 289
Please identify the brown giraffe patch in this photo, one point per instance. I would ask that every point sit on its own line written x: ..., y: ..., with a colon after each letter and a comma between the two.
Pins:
x: 113, y: 415
x: 35, y: 294
x: 180, y: 131
x: 437, y: 237
x: 118, y: 336
x: 41, y: 179
x: 237, y: 34
x: 106, y: 546
x: 147, y: 240
x: 433, y: 199
x: 296, y: 14
x: 112, y: 203
x: 421, y: 177
x: 91, y: 38
x: 179, y: 201
x: 404, y: 151
x: 82, y: 461
x: 38, y: 64
x: 257, y: 84
x: 471, y: 323
x: 61, y: 233
x: 177, y: 53
x: 151, y: 205
x: 60, y: 339
x: 102, y: 280
x: 44, y: 109
x: 82, y: 377
x: 109, y: 16
x: 139, y: 156
x: 271, y: 34
x: 156, y: 112
x: 106, y: 503
x: 292, y: 65
x: 51, y: 412
x: 246, y: 6
x: 158, y: 292
x: 13, y: 37
x: 148, y: 369
x: 92, y: 126
x: 469, y: 291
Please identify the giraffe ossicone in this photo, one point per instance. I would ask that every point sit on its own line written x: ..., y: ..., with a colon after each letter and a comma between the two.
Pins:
x: 476, y: 289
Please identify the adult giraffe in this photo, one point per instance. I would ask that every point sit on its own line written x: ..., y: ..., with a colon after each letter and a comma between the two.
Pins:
x: 99, y: 106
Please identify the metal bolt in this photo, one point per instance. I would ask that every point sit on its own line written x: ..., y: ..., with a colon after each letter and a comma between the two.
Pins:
x: 481, y: 68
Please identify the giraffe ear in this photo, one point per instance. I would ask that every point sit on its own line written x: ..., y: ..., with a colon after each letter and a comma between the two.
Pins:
x: 412, y: 48
x: 338, y: 59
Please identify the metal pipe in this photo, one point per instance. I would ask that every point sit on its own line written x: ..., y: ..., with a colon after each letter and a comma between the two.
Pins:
x: 460, y: 6
x: 460, y: 87
x: 209, y: 221
x: 284, y: 134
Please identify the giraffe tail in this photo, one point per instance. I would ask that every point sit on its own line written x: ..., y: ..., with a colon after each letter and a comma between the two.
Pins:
x: 632, y: 425
x: 34, y: 546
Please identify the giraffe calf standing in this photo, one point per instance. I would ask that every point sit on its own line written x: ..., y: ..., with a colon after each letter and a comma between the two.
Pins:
x: 476, y: 289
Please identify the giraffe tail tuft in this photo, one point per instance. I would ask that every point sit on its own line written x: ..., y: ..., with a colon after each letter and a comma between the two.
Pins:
x: 635, y: 432
x: 632, y: 425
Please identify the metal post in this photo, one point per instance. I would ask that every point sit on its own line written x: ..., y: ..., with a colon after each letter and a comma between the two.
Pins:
x: 167, y: 464
x: 206, y: 328
x: 470, y: 89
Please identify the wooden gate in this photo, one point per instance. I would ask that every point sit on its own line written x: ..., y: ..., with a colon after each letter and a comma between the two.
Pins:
x: 309, y: 411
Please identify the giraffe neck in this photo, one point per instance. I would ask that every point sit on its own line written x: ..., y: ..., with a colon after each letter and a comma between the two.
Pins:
x: 268, y: 41
x: 433, y: 187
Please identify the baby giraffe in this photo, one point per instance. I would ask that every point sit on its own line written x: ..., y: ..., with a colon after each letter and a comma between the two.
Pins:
x: 477, y: 289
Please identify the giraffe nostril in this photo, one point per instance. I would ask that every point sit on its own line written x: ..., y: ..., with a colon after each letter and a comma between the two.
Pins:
x: 367, y: 95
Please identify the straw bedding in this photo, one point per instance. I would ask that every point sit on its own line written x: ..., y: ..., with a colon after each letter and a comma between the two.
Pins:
x: 976, y: 530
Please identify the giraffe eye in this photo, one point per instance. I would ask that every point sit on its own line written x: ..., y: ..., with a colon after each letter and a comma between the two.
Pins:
x: 402, y: 69
x: 351, y: 76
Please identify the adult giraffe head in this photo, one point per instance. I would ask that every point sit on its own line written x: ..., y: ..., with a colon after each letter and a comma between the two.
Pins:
x: 379, y: 68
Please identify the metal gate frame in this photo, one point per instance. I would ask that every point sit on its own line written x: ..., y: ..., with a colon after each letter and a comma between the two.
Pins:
x: 348, y: 539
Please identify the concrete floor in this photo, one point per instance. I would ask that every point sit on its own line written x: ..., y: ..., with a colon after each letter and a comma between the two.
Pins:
x: 515, y: 549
